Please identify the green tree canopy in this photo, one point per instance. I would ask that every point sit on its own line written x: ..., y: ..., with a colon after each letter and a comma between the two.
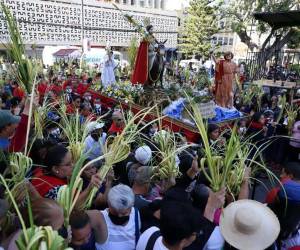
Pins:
x: 199, y: 26
x: 240, y: 14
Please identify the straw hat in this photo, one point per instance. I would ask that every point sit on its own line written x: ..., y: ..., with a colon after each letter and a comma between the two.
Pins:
x: 249, y: 225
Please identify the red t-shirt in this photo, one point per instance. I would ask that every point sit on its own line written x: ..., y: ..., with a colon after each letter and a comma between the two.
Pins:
x: 18, y: 92
x: 42, y: 88
x: 17, y: 143
x: 70, y: 109
x: 56, y: 88
x: 114, y: 129
x: 82, y: 88
x: 47, y: 185
x: 66, y: 84
x: 272, y: 194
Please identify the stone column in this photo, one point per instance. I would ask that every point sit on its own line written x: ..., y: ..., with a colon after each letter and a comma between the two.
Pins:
x: 162, y: 4
x: 146, y: 3
x: 152, y: 4
x: 157, y: 4
x: 136, y: 3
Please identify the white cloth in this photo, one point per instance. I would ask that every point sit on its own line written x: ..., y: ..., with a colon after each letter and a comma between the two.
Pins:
x: 119, y: 237
x: 142, y: 243
x: 208, y: 64
x: 94, y: 148
x: 215, y: 241
x: 108, y: 74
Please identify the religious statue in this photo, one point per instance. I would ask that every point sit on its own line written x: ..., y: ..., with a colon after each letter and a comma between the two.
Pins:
x: 108, y: 73
x: 145, y: 57
x: 226, y: 71
x: 150, y: 59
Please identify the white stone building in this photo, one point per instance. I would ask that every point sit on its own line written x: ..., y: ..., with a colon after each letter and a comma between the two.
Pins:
x: 67, y: 22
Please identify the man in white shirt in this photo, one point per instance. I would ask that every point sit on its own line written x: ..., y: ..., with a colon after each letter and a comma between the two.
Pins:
x: 181, y: 224
x: 95, y: 140
x: 115, y: 228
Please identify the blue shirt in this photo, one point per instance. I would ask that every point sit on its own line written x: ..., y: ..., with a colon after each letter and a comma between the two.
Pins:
x: 4, y: 143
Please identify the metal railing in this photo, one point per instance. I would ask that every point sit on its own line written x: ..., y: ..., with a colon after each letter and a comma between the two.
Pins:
x: 282, y: 66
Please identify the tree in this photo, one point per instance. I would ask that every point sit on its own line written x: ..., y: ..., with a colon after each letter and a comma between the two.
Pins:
x: 240, y: 15
x: 199, y: 27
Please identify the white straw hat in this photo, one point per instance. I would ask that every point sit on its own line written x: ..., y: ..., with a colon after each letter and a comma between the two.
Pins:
x: 249, y: 225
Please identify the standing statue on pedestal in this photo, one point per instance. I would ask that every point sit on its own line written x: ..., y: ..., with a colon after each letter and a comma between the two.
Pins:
x: 150, y: 59
x: 226, y: 71
x: 108, y: 72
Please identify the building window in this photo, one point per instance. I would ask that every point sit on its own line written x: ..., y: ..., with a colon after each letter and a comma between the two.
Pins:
x: 225, y: 41
x: 231, y: 41
x: 220, y: 40
x: 214, y: 40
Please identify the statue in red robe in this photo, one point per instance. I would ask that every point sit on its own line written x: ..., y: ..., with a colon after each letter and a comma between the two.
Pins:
x: 224, y: 80
x: 145, y: 57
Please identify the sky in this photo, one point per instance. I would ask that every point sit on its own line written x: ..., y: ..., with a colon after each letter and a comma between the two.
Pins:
x: 176, y: 4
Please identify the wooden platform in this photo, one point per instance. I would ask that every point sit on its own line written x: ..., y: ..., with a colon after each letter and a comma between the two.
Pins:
x: 175, y: 125
x: 272, y: 84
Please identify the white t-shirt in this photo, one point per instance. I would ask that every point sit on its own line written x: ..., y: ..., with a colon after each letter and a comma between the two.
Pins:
x: 119, y: 237
x: 144, y: 238
x: 215, y: 241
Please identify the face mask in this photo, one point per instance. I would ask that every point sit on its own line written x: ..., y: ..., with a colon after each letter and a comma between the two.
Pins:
x: 243, y: 130
x: 55, y: 132
x: 88, y: 98
x: 118, y: 220
x: 95, y: 136
x: 69, y: 90
x: 153, y: 130
x: 97, y: 106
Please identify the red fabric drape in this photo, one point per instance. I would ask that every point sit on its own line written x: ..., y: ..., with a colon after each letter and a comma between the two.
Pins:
x: 140, y: 72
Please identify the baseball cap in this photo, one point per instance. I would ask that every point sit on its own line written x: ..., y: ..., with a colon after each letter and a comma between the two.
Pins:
x: 143, y: 155
x: 6, y: 117
x: 94, y: 125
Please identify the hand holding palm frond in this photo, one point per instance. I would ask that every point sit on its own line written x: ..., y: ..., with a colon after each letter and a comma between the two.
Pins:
x: 168, y: 150
x: 34, y: 238
x: 24, y: 70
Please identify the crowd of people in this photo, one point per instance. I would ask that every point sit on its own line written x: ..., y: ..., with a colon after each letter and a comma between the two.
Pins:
x: 133, y: 210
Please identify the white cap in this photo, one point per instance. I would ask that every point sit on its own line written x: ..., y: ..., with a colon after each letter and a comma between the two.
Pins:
x: 143, y: 155
x: 93, y: 126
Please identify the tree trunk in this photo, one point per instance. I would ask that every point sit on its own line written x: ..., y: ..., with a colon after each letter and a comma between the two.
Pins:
x: 267, y: 53
x: 245, y: 38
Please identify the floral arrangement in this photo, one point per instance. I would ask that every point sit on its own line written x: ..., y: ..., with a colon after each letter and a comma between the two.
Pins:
x: 124, y: 91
